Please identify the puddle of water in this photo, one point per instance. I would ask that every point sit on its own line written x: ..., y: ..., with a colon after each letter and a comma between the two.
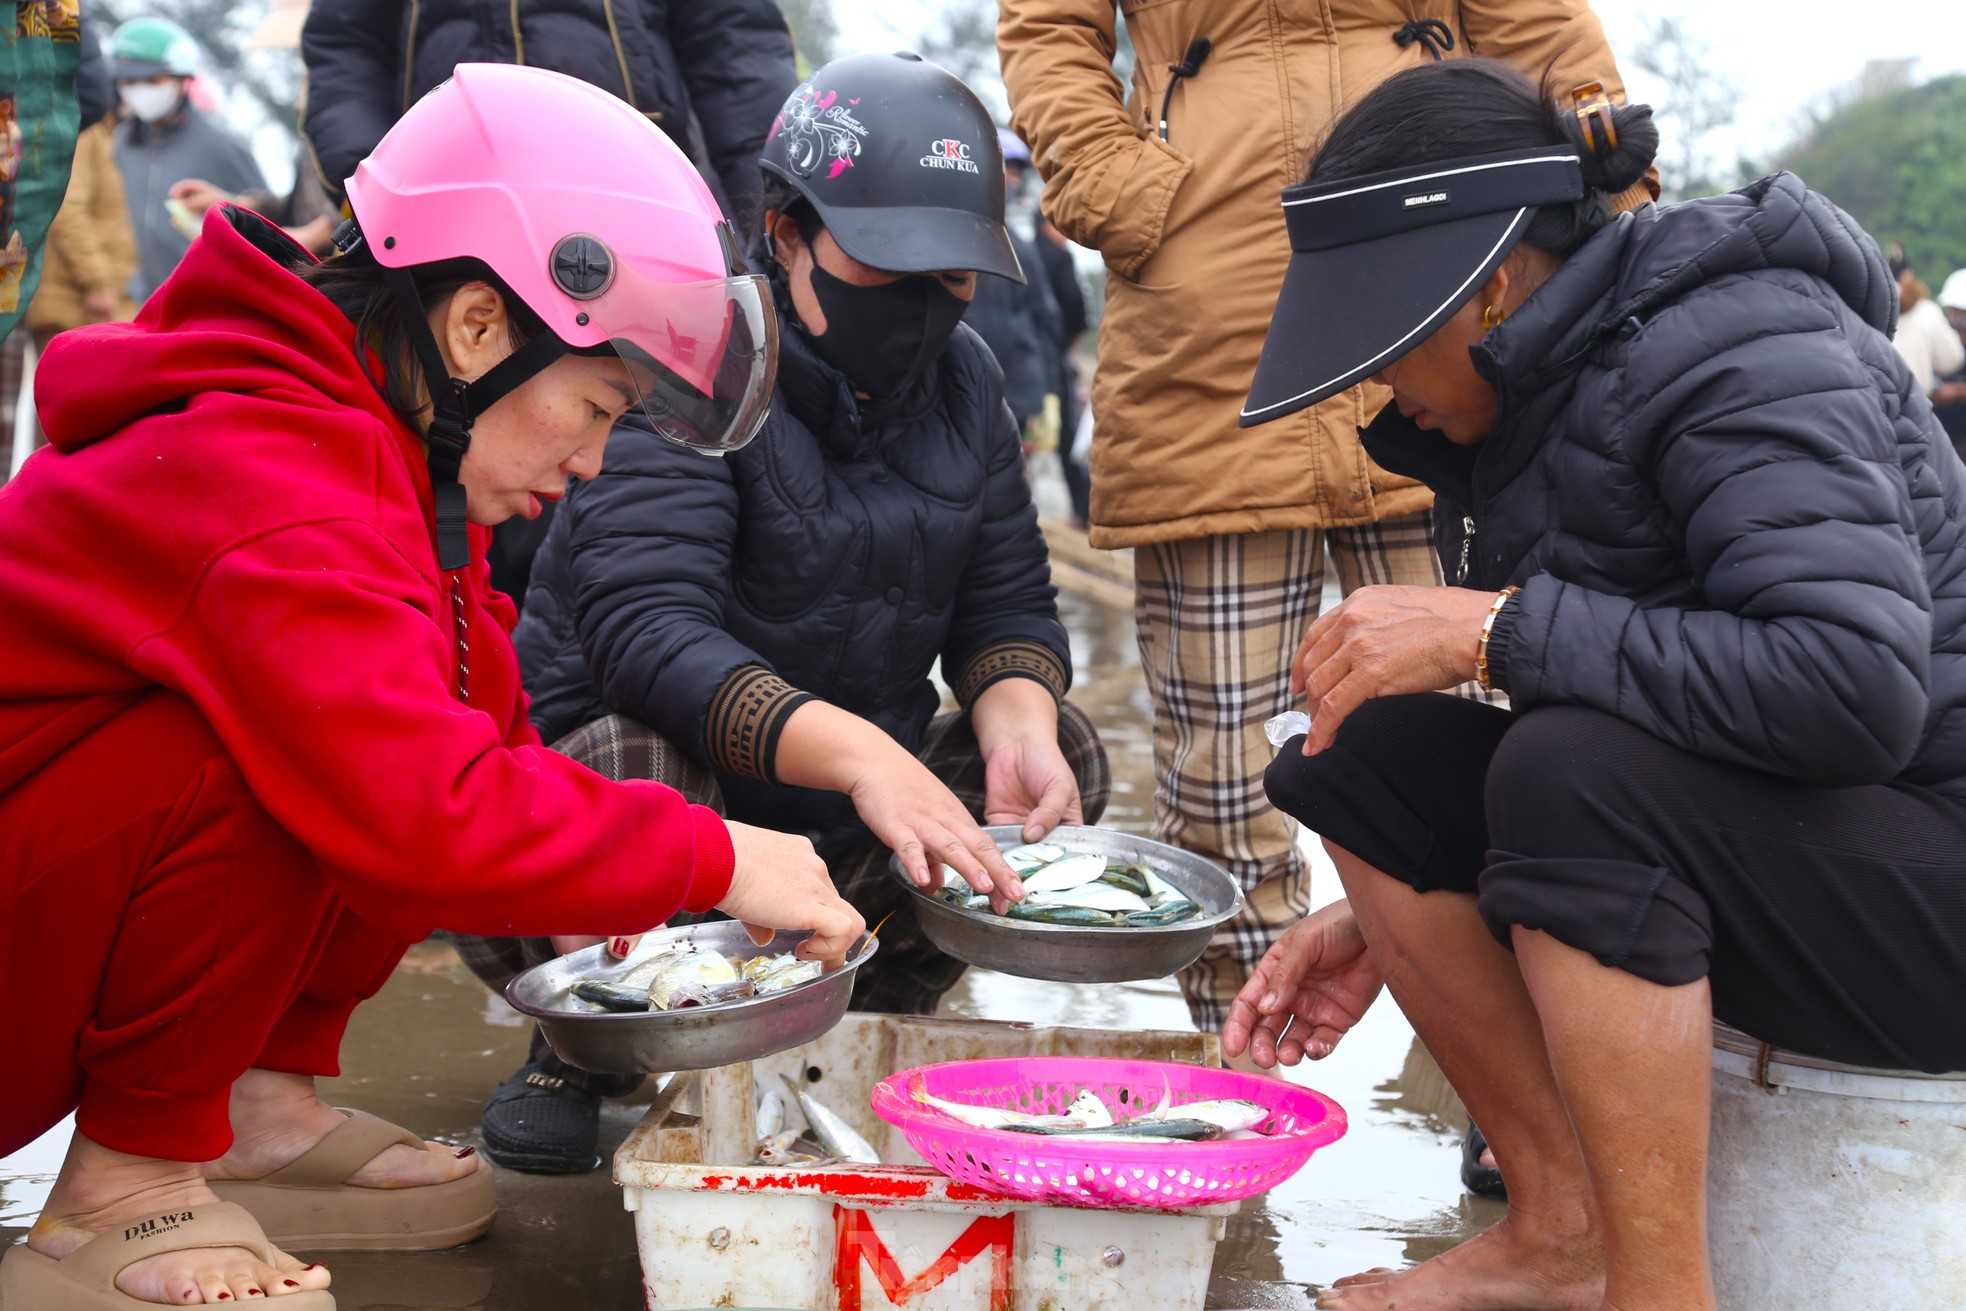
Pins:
x: 432, y: 1045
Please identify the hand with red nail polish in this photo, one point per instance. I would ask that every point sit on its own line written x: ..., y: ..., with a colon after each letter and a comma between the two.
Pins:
x: 618, y: 946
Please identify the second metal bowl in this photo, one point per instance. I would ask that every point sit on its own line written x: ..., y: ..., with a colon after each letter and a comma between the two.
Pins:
x: 698, y: 1038
x: 1069, y: 954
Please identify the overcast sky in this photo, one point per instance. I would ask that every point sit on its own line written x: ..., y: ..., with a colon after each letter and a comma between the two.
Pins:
x: 1784, y: 56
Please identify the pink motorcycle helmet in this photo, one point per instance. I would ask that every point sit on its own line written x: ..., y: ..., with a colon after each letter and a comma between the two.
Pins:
x: 599, y: 224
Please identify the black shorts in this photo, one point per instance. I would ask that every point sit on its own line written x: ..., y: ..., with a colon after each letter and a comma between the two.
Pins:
x: 1830, y: 921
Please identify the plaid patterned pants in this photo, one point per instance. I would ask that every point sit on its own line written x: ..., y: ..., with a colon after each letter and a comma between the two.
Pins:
x: 1218, y: 620
x: 909, y: 975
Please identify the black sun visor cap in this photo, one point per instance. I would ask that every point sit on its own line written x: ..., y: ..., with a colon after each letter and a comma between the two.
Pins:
x: 1379, y: 262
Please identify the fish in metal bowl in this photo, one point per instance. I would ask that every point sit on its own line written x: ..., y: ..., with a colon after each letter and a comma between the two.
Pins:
x: 688, y: 998
x: 1100, y: 906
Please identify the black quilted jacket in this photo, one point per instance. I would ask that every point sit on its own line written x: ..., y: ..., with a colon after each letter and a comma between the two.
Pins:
x: 727, y: 63
x: 1734, y: 519
x: 843, y: 553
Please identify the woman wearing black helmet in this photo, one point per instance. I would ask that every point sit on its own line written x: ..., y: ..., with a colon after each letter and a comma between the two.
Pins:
x: 774, y: 616
x: 1712, y: 542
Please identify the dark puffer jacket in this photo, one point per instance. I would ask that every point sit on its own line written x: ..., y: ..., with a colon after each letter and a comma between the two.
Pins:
x: 1735, y: 522
x: 838, y: 555
x: 727, y: 62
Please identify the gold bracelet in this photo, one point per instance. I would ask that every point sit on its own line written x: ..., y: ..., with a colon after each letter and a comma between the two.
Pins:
x: 1488, y: 627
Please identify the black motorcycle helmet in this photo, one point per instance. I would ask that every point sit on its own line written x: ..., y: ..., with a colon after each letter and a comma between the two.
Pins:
x: 900, y: 161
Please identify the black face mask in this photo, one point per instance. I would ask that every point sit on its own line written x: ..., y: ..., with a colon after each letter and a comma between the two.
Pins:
x: 884, y: 338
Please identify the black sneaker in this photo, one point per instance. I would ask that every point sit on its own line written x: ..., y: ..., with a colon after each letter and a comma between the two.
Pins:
x: 541, y: 1124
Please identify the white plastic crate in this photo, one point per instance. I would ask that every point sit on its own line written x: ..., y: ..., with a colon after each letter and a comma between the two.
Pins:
x: 712, y: 1231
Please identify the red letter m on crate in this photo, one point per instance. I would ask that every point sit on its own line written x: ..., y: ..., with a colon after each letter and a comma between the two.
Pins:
x: 859, y: 1246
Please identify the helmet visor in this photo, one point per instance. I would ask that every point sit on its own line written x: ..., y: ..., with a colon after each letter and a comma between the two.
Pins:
x: 703, y: 356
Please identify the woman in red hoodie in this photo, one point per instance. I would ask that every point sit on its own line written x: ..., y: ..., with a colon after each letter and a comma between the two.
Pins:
x: 260, y: 722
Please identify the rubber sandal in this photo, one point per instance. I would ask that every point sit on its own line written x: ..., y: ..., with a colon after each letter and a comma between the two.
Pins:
x: 309, y: 1204
x: 1481, y: 1180
x: 85, y: 1279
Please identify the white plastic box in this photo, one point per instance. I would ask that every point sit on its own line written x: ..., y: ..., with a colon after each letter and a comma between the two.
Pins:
x: 714, y: 1232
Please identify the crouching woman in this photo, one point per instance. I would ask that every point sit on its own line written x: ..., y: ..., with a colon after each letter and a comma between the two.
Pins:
x: 1709, y: 540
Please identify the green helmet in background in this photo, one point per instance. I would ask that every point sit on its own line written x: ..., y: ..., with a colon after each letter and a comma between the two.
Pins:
x: 146, y: 47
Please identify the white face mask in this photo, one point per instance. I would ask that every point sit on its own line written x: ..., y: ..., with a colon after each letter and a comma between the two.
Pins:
x: 150, y: 101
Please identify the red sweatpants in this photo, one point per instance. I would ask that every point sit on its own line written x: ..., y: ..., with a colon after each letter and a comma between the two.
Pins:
x: 159, y: 935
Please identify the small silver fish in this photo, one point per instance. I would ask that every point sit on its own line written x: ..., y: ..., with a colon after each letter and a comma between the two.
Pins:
x: 640, y: 972
x: 788, y: 972
x: 705, y: 967
x: 1085, y: 1111
x: 834, y: 1134
x: 611, y: 996
x: 1089, y: 1110
x: 1096, y: 895
x: 1071, y: 872
x: 686, y: 995
x: 1154, y: 1131
x: 771, y: 1114
x: 1228, y: 1114
x: 1034, y: 855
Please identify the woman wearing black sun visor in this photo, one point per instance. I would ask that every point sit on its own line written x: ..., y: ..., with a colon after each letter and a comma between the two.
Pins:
x: 1709, y: 539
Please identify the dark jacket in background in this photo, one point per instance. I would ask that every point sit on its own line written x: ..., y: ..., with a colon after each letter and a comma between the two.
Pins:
x: 1062, y: 276
x: 840, y: 554
x: 719, y: 67
x: 95, y: 90
x: 1734, y: 520
x: 154, y: 157
x: 1023, y: 329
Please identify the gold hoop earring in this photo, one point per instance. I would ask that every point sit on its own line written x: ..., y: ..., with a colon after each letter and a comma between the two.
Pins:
x: 1491, y: 317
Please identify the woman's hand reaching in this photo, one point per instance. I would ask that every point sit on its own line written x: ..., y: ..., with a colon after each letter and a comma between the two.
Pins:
x: 1310, y: 988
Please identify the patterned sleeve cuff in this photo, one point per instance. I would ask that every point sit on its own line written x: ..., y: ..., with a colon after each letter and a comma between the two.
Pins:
x: 1013, y: 659
x: 746, y: 717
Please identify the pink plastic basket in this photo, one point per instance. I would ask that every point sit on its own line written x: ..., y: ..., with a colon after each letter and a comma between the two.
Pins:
x: 1106, y: 1174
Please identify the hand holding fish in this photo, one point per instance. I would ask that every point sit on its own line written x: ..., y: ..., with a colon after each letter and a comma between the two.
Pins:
x: 1310, y: 988
x: 779, y: 882
x: 1385, y: 641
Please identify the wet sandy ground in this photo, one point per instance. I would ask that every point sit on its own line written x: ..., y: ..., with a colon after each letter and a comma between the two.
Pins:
x: 427, y: 1051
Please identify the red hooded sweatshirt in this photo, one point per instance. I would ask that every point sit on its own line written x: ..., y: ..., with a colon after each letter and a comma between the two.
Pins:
x: 229, y: 510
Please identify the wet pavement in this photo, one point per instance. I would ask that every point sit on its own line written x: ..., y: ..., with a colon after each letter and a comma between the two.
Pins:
x: 428, y: 1049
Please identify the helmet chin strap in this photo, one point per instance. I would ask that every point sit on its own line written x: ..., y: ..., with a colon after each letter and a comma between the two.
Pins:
x: 454, y: 403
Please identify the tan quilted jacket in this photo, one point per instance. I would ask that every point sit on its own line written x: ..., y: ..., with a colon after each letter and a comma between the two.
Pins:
x: 1193, y: 235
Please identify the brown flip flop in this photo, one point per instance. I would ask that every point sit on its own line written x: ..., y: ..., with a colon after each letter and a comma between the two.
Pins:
x: 85, y: 1279
x: 309, y: 1204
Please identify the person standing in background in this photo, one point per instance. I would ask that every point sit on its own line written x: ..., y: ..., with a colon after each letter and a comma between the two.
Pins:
x: 710, y: 73
x: 1925, y: 338
x: 1949, y: 400
x: 91, y: 253
x: 1055, y: 268
x: 39, y: 118
x: 164, y: 139
x: 1021, y: 324
x: 307, y: 212
x: 1175, y: 185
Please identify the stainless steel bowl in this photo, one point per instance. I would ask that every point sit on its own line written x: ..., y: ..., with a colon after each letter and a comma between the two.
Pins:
x: 1069, y: 954
x: 698, y: 1038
